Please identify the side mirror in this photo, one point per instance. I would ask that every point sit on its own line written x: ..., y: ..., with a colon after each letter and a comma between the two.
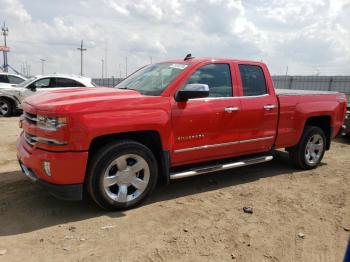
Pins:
x: 192, y: 91
x: 32, y: 87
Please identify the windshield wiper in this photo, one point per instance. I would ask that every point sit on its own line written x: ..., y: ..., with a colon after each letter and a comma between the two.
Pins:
x: 128, y: 88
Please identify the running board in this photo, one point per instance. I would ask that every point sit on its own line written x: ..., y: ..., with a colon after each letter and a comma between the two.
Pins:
x: 219, y: 167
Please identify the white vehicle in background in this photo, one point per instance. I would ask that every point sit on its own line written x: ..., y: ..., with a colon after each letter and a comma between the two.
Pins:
x: 8, y: 79
x: 11, y: 96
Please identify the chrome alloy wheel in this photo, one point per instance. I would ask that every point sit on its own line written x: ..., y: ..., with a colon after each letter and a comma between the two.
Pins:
x: 126, y: 178
x: 4, y: 108
x: 314, y: 149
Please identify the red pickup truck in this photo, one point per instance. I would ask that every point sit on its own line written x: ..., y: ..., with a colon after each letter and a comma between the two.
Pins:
x: 167, y: 121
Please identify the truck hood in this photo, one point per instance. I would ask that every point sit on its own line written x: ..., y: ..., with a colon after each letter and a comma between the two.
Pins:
x: 80, y: 99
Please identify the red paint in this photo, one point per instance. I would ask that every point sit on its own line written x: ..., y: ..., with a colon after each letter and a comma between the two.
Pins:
x: 96, y: 112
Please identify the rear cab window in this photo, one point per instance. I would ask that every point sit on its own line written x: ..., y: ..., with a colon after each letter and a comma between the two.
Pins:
x: 253, y: 80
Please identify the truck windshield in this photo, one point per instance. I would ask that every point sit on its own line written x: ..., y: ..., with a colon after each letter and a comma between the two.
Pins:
x: 153, y: 79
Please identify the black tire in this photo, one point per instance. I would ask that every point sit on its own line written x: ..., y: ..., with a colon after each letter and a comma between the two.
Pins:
x: 5, y: 107
x: 298, y: 154
x: 101, y: 162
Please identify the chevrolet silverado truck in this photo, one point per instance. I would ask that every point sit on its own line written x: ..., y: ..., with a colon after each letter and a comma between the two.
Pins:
x: 168, y: 121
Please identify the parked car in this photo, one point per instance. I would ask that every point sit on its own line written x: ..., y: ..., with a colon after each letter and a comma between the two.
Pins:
x: 168, y: 121
x: 7, y: 79
x: 12, y: 95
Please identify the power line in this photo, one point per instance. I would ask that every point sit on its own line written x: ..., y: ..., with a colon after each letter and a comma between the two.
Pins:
x: 81, y: 49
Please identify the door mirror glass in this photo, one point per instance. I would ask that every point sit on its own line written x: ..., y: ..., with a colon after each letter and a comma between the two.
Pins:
x: 192, y: 91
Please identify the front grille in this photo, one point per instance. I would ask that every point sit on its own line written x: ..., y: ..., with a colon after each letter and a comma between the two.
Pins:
x: 31, y: 118
x: 30, y: 139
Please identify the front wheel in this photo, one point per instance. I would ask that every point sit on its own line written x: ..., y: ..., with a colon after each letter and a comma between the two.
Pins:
x: 121, y: 175
x: 5, y: 107
x: 310, y: 150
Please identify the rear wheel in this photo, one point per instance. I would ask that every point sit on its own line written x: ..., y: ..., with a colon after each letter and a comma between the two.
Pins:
x: 310, y: 150
x: 121, y: 175
x: 5, y: 107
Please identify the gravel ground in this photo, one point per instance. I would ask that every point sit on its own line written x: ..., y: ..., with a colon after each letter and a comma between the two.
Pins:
x: 297, y: 216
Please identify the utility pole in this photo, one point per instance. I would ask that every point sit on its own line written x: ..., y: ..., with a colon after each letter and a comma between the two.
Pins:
x: 151, y: 59
x: 4, y: 32
x: 102, y: 64
x: 105, y: 60
x: 81, y: 49
x: 42, y: 66
x: 126, y: 67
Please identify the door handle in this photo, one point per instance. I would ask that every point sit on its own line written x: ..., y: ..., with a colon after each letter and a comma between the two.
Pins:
x: 231, y: 109
x: 269, y: 107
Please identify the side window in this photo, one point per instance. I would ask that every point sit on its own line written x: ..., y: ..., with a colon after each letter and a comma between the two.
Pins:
x: 42, y: 83
x: 216, y: 76
x: 253, y: 80
x: 15, y: 79
x: 65, y: 82
x: 3, y: 79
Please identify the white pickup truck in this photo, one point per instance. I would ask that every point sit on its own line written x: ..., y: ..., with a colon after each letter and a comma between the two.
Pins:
x: 11, y: 96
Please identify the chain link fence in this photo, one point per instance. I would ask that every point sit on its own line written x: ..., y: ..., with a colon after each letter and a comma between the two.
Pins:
x: 323, y: 83
x: 108, y: 82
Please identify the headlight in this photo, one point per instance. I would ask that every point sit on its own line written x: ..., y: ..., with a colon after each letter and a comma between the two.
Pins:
x: 51, y: 123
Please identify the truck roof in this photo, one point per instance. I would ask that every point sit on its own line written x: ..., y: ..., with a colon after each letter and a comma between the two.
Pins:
x: 211, y: 59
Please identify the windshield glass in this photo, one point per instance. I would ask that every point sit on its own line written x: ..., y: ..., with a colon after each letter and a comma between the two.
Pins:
x: 153, y: 79
x: 25, y: 83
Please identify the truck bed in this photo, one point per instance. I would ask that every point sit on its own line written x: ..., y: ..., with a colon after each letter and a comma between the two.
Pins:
x: 295, y: 92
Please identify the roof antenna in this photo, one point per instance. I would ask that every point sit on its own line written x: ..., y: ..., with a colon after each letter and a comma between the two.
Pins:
x: 188, y: 57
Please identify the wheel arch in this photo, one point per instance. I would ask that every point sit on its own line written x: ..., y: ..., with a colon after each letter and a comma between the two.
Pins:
x: 323, y: 122
x: 149, y: 138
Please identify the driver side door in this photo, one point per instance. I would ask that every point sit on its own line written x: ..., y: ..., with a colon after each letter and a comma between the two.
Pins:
x: 206, y: 128
x: 36, y: 87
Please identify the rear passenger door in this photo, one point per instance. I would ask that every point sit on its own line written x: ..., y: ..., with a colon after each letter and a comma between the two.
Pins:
x: 259, y: 110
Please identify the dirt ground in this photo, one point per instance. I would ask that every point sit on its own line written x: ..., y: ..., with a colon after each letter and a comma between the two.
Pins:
x: 297, y: 216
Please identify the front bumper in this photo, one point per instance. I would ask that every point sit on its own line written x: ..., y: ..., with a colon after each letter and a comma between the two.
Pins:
x: 67, y: 174
x: 63, y: 192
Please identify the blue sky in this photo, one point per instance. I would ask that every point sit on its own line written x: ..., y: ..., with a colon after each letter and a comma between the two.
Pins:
x: 309, y: 37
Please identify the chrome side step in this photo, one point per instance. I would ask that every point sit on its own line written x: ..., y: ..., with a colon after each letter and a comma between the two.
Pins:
x: 220, y: 167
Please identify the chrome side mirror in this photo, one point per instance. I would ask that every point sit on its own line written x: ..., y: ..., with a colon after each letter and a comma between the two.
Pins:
x: 192, y: 91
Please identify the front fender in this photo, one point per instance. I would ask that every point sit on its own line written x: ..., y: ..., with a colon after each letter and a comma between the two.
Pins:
x: 100, y: 124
